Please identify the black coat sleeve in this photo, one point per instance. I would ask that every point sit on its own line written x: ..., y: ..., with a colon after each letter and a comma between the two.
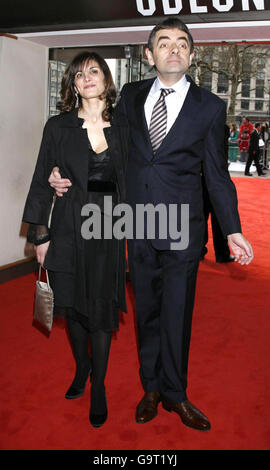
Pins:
x: 38, y: 234
x: 40, y: 197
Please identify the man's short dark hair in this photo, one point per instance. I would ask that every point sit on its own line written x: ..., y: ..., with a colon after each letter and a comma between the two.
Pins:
x: 257, y: 124
x: 169, y: 23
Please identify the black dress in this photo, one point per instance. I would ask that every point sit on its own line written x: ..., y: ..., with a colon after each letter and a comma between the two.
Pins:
x: 101, y: 254
x: 100, y: 257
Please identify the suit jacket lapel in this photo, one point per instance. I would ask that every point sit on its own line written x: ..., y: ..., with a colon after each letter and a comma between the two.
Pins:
x: 185, y: 119
x: 139, y: 108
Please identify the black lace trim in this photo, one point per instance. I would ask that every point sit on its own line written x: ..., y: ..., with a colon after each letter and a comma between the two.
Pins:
x: 38, y: 234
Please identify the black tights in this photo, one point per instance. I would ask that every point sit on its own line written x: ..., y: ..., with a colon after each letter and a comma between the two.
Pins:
x: 100, y: 342
x: 100, y: 345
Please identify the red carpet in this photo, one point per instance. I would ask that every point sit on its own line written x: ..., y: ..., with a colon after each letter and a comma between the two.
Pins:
x: 229, y: 369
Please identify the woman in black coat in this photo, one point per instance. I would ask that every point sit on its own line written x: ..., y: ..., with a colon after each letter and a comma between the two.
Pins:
x: 87, y: 274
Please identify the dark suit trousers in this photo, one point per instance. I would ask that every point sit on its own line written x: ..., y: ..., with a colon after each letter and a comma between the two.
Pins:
x: 164, y: 288
x: 254, y: 157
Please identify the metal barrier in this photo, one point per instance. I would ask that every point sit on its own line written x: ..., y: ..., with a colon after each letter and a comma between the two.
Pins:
x: 265, y: 156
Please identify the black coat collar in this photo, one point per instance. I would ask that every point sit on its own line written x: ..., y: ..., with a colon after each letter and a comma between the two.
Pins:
x: 71, y: 120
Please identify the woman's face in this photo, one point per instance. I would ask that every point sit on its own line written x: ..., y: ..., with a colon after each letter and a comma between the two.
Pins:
x: 90, y: 81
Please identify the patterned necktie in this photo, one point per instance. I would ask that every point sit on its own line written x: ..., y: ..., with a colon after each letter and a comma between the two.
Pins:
x: 158, y: 124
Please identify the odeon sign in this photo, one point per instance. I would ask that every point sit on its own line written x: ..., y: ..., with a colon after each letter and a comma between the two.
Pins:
x: 173, y: 7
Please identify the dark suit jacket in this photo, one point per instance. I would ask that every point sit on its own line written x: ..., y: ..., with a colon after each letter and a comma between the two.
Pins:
x: 173, y: 174
x: 65, y: 144
x: 254, y: 143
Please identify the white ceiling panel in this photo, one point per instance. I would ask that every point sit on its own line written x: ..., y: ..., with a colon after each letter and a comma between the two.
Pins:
x: 202, y: 32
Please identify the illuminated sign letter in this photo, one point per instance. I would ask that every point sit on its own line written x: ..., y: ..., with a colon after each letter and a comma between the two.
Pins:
x: 194, y: 8
x: 227, y: 7
x: 146, y: 11
x: 259, y: 4
x: 168, y: 10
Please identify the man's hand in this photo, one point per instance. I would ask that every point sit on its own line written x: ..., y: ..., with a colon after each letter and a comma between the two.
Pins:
x: 241, y: 248
x: 41, y: 251
x: 60, y: 185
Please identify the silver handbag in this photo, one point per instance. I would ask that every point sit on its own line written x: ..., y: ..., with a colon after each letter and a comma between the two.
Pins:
x: 43, y: 311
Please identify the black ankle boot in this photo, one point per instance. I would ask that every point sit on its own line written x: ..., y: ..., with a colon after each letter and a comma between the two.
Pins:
x: 74, y: 391
x: 98, y: 410
x: 98, y: 420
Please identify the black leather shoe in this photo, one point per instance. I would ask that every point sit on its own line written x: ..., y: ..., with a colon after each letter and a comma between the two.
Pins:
x: 98, y: 420
x: 147, y: 408
x: 262, y: 174
x: 248, y: 174
x: 76, y: 392
x: 189, y: 415
x: 203, y: 253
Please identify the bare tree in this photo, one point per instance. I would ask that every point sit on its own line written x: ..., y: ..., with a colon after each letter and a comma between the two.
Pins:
x: 235, y: 65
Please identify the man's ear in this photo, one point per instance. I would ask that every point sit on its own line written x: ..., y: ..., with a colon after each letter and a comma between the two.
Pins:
x: 149, y: 56
x: 191, y: 58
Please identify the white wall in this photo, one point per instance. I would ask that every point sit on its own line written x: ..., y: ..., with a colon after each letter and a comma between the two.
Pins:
x: 23, y: 107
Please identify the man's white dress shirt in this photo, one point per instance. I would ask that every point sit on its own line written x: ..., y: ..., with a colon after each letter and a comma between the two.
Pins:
x: 174, y: 101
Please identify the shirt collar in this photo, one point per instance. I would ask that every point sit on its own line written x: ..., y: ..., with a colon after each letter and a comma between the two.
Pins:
x: 178, y: 86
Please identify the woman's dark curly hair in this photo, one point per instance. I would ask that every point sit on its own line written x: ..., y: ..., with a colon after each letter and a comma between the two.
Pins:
x: 68, y: 94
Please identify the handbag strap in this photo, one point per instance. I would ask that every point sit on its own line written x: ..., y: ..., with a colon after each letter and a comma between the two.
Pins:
x: 39, y: 275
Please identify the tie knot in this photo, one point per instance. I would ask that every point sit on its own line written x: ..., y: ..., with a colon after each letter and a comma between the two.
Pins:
x: 166, y: 91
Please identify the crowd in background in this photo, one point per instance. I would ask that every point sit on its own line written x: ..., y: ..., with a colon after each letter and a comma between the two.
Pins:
x: 239, y: 141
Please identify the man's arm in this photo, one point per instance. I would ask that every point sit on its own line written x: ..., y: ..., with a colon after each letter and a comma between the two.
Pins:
x: 222, y: 191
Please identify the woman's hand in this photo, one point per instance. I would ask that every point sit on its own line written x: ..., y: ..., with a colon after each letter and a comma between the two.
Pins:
x: 41, y: 251
x: 60, y: 185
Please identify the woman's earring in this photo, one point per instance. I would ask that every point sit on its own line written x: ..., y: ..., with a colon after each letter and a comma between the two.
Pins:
x: 77, y: 100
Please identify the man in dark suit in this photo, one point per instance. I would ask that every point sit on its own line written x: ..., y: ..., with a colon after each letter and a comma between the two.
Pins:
x: 254, y: 151
x: 166, y: 170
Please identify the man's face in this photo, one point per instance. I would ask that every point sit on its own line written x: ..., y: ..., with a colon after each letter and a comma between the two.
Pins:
x: 171, y: 54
